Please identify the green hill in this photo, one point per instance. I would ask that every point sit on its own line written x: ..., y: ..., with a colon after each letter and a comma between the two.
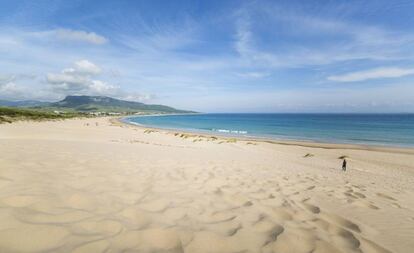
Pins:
x: 108, y: 104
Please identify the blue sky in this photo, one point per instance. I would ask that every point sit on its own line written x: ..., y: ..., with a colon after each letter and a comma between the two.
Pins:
x: 213, y: 56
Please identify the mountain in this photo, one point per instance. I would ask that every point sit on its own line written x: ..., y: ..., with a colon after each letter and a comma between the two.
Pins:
x: 108, y: 104
x: 93, y: 104
x: 24, y: 103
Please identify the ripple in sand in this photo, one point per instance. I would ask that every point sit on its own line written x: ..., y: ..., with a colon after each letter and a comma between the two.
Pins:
x: 32, y: 238
x: 98, y: 246
x: 19, y: 200
x: 149, y: 240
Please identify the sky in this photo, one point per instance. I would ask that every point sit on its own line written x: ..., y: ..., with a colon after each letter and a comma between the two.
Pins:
x: 213, y: 56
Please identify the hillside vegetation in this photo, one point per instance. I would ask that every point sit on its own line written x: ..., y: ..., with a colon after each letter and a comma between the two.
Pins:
x: 10, y: 114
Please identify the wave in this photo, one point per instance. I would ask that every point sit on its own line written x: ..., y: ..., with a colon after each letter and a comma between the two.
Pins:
x: 131, y: 122
x: 229, y: 131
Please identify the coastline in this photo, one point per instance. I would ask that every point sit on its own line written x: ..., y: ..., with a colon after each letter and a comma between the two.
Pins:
x: 100, y: 185
x: 302, y: 143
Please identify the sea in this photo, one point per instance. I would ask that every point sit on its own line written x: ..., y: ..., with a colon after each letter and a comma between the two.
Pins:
x: 369, y: 129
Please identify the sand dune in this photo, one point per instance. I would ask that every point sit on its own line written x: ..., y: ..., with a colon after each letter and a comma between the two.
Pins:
x: 78, y: 186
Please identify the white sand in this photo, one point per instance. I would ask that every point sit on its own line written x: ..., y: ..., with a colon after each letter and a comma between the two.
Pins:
x: 94, y: 186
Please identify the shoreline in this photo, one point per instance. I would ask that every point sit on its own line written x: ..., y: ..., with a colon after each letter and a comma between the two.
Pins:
x: 102, y: 185
x: 300, y: 143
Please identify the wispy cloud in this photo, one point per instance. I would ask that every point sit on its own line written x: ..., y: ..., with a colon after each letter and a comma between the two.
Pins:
x: 80, y: 36
x: 377, y: 73
x: 254, y: 74
x: 337, y: 40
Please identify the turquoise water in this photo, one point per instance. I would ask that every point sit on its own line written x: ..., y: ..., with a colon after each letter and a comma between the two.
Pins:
x: 373, y: 129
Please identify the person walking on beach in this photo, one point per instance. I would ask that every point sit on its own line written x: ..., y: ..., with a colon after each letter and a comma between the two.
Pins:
x: 344, y: 165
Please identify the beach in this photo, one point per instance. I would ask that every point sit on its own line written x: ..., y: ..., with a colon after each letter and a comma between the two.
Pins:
x: 98, y: 185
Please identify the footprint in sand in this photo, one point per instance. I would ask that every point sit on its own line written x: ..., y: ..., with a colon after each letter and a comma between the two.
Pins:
x: 360, y: 195
x: 312, y: 208
x: 341, y: 222
x: 385, y: 196
x: 310, y: 187
x: 365, y: 204
x: 396, y: 205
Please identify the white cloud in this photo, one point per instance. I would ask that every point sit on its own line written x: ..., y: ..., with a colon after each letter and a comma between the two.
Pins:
x: 8, y: 87
x: 78, y: 80
x: 11, y: 90
x: 100, y: 87
x: 136, y: 96
x: 87, y: 67
x: 376, y: 73
x: 4, y: 79
x: 66, y: 78
x: 254, y: 75
x: 82, y: 36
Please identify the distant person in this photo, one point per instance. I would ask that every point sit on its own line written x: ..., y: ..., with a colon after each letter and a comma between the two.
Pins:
x: 344, y: 165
